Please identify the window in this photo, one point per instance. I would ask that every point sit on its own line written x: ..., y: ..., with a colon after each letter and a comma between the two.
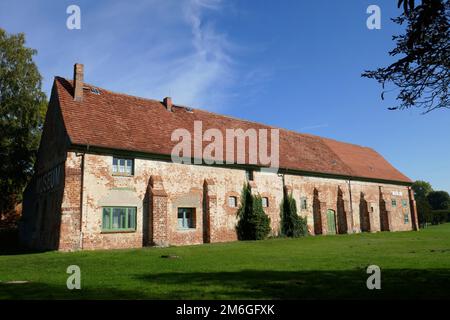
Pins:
x: 303, y: 203
x: 186, y: 218
x: 406, y: 218
x: 265, y: 202
x: 371, y: 209
x: 404, y: 203
x: 119, y: 218
x: 232, y: 202
x: 123, y: 166
x: 249, y: 175
x: 394, y: 202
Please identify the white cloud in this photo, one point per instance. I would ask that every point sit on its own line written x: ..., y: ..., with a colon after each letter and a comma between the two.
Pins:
x: 187, y: 58
x: 150, y: 48
x: 201, y: 76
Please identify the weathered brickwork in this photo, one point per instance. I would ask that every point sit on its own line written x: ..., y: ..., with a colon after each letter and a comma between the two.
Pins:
x: 40, y: 225
x: 164, y: 203
x: 157, y: 189
x: 71, y: 207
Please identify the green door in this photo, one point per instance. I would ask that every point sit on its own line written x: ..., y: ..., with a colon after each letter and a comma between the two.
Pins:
x: 331, y: 222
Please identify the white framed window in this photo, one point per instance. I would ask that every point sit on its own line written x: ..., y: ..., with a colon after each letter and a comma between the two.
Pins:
x: 232, y: 201
x: 406, y: 218
x: 123, y: 166
x: 265, y: 202
x: 186, y: 218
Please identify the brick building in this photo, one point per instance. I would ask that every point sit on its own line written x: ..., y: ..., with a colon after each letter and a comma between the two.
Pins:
x: 104, y: 178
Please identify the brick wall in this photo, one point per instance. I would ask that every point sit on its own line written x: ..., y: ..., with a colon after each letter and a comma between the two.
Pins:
x: 159, y: 188
x: 40, y: 224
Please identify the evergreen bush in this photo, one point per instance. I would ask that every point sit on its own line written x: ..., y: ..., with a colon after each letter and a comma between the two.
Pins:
x: 292, y: 225
x: 253, y: 223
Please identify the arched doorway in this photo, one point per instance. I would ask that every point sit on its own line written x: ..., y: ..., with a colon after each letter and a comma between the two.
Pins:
x: 331, y: 221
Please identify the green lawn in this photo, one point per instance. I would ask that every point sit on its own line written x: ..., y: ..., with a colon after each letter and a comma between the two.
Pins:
x: 413, y: 265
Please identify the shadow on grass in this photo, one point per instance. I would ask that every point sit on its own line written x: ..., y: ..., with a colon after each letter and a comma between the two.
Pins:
x: 250, y: 284
x: 256, y: 284
x: 43, y: 291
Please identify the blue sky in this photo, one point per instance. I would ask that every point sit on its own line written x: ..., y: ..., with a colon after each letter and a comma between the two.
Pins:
x: 293, y: 64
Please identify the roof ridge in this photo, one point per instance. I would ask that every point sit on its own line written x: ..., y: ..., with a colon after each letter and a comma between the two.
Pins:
x: 337, y: 156
x: 349, y: 143
x: 112, y: 92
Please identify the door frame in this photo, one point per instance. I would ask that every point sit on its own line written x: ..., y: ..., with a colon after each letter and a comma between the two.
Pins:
x: 329, y: 231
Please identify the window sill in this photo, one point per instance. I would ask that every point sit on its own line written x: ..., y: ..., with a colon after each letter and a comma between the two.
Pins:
x: 186, y: 229
x: 118, y: 231
x: 115, y: 174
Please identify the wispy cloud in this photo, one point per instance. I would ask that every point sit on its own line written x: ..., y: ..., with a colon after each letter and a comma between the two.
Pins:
x: 202, y: 76
x: 151, y: 48
x: 188, y: 57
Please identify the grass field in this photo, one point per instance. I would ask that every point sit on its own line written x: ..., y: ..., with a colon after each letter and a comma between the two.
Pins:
x: 413, y: 265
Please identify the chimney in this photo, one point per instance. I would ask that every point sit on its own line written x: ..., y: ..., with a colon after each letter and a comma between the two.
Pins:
x: 168, y: 103
x: 78, y: 82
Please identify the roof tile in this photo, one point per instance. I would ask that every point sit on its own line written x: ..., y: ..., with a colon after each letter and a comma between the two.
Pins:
x: 119, y: 121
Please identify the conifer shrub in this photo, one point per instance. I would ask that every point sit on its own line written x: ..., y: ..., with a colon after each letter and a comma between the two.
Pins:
x: 292, y: 225
x: 253, y: 223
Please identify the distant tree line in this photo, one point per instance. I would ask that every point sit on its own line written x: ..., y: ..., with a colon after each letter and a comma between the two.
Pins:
x: 433, y: 207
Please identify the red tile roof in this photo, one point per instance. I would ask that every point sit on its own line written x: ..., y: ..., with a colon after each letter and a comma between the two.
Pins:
x: 118, y: 121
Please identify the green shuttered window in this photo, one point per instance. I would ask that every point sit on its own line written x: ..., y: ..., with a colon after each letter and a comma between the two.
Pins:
x: 119, y: 219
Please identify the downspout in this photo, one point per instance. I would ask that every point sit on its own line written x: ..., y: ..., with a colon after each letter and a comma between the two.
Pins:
x: 82, y: 197
x: 283, y: 182
x: 81, y: 200
x: 283, y: 190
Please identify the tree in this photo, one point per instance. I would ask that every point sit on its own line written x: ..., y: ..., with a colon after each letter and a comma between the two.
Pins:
x: 253, y: 223
x: 422, y: 74
x: 423, y: 211
x: 439, y: 200
x: 292, y: 225
x: 22, y: 109
x: 421, y: 189
x: 260, y: 221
